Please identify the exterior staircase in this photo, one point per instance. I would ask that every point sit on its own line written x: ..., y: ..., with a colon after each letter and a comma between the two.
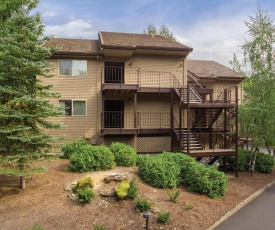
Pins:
x: 193, y: 141
x: 194, y: 97
x: 206, y: 117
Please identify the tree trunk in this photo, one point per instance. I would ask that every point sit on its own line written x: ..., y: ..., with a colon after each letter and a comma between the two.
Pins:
x: 22, y: 178
x: 22, y: 182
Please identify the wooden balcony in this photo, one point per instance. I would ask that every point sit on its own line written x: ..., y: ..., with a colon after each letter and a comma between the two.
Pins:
x: 122, y: 123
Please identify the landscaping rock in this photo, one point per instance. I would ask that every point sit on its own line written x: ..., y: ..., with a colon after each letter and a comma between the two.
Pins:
x: 115, y: 177
x: 107, y: 193
x: 155, y: 210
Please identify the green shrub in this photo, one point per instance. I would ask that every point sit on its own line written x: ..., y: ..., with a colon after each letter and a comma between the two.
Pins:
x: 85, y: 195
x: 181, y: 160
x: 163, y: 217
x: 85, y: 182
x: 69, y: 148
x: 264, y: 162
x: 133, y: 190
x: 125, y: 155
x: 206, y: 180
x: 158, y: 172
x: 173, y: 196
x: 142, y: 205
x: 92, y: 158
x: 122, y: 190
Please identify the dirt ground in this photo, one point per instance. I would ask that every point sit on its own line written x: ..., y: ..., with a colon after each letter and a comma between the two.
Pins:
x: 45, y: 202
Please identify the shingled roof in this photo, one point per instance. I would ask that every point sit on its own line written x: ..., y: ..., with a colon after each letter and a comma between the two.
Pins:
x: 205, y: 69
x: 68, y: 45
x: 142, y: 41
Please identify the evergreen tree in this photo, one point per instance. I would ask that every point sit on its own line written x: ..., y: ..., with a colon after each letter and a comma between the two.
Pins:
x: 24, y: 101
x: 164, y: 31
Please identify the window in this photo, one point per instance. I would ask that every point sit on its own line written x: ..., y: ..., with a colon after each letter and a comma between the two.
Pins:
x: 73, y: 67
x: 74, y: 107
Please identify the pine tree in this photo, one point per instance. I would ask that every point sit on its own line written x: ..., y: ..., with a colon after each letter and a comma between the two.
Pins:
x: 24, y: 101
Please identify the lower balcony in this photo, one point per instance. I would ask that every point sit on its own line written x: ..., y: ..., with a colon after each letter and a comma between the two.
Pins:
x: 119, y: 122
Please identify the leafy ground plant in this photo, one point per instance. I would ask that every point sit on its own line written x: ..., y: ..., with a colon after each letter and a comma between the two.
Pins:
x: 173, y: 196
x: 133, y: 190
x: 163, y: 217
x: 142, y: 205
x: 85, y: 195
x: 99, y: 227
x: 35, y: 227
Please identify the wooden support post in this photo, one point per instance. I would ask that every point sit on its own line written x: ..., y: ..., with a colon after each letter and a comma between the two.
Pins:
x: 171, y: 116
x: 135, y: 110
x: 236, y: 134
x: 225, y: 121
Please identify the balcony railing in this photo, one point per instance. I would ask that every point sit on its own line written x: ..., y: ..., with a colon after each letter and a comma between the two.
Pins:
x: 133, y: 75
x: 130, y: 120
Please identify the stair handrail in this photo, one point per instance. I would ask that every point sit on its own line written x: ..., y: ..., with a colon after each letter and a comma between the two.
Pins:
x: 195, y: 92
x: 193, y: 79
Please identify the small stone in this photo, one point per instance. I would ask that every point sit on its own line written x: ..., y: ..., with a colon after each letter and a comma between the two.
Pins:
x: 155, y: 210
x: 72, y: 197
x: 68, y: 188
x: 107, y: 193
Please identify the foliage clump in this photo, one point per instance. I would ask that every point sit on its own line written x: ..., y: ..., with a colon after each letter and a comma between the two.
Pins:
x: 264, y: 162
x: 158, y: 172
x: 69, y: 148
x: 85, y: 195
x: 92, y: 158
x: 169, y: 169
x: 143, y: 205
x: 122, y: 190
x: 206, y: 180
x: 84, y: 190
x: 125, y: 155
x: 163, y: 217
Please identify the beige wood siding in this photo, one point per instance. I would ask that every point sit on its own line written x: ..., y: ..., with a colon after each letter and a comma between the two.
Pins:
x: 82, y: 88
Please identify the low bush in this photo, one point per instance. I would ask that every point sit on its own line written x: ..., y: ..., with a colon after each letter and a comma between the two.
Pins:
x: 206, y: 180
x: 85, y: 195
x: 85, y: 182
x: 163, y: 217
x: 159, y: 172
x: 69, y: 148
x: 125, y: 155
x: 122, y: 190
x: 142, y: 205
x: 92, y: 158
x: 181, y: 160
x: 264, y: 162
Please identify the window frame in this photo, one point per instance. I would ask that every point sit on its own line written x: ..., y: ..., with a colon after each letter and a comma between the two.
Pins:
x: 65, y: 59
x: 72, y: 100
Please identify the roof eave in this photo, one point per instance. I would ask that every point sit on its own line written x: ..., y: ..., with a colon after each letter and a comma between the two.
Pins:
x: 146, y: 47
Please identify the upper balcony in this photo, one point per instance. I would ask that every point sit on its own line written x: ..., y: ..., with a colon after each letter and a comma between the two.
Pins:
x: 128, y: 80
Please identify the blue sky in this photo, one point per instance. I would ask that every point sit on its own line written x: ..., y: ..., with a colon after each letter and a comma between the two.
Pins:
x: 215, y: 29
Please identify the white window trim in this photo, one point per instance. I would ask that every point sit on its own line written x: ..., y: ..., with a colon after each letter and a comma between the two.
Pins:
x: 72, y: 100
x: 58, y: 66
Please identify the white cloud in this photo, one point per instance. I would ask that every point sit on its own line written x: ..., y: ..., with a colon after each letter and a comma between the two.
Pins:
x: 48, y: 14
x: 72, y: 29
x: 216, y: 39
